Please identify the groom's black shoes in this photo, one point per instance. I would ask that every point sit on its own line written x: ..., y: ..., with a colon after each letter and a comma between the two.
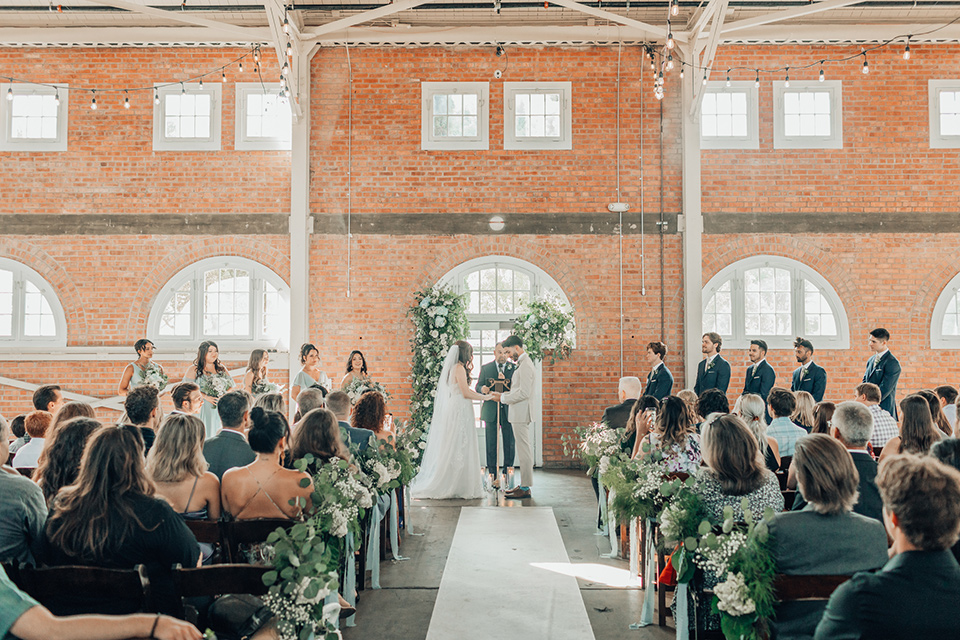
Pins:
x: 518, y: 493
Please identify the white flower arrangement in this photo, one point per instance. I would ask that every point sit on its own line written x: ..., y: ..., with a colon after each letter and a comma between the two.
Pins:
x: 359, y: 386
x: 215, y: 385
x: 734, y: 597
x: 154, y: 377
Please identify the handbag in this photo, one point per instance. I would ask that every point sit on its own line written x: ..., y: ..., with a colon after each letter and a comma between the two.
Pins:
x: 237, y: 617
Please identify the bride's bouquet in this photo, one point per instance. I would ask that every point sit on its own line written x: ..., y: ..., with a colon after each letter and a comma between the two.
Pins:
x: 359, y: 386
x: 215, y: 385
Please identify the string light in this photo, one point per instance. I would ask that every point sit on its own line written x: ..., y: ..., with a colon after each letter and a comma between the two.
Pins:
x: 126, y: 100
x: 156, y: 97
x: 866, y: 66
x: 674, y: 7
x: 201, y: 83
x: 256, y: 55
x: 704, y: 78
x: 10, y: 93
x: 93, y: 100
x: 241, y: 66
x: 669, y: 61
x: 756, y: 81
x: 821, y: 71
x: 786, y: 80
x: 286, y: 23
x: 670, y: 42
x: 183, y: 89
x: 289, y: 49
x: 906, y: 50
x: 681, y: 71
x: 285, y: 70
x: 56, y: 97
x: 223, y: 74
x: 728, y: 77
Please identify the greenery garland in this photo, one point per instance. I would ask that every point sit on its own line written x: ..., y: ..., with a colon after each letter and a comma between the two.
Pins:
x: 439, y: 317
x: 547, y: 324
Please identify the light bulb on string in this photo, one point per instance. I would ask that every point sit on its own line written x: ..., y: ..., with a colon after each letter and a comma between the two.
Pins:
x: 822, y: 78
x: 56, y: 97
x: 241, y: 66
x: 728, y: 77
x: 156, y: 97
x: 681, y: 71
x: 126, y: 100
x: 674, y: 7
x: 286, y: 23
x: 786, y: 79
x: 223, y: 75
x: 669, y: 61
x: 670, y: 42
x: 256, y: 54
x: 10, y: 94
x: 93, y: 100
x: 201, y: 83
x: 289, y: 49
x: 756, y: 81
x: 704, y: 78
x: 285, y: 70
x: 866, y: 66
x: 183, y: 89
x: 906, y: 50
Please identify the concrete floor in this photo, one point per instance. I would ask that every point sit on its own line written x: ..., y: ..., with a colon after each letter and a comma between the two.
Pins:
x: 401, y: 610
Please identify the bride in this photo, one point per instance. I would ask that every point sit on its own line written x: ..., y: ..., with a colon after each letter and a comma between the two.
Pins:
x: 451, y: 462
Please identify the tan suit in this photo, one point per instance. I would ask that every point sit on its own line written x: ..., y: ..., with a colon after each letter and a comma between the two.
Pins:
x: 518, y: 401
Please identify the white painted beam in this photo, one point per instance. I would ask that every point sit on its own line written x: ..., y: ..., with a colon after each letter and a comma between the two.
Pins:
x: 657, y: 31
x: 128, y: 36
x: 787, y: 14
x: 360, y: 18
x: 532, y: 34
x: 691, y: 230
x: 706, y: 60
x: 176, y: 16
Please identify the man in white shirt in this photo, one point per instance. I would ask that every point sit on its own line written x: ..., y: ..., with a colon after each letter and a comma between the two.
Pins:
x: 948, y: 402
x: 884, y: 426
x: 36, y: 424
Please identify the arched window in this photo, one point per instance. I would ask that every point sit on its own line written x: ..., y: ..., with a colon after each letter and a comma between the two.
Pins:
x: 228, y: 299
x: 945, y: 327
x: 774, y: 299
x: 30, y: 313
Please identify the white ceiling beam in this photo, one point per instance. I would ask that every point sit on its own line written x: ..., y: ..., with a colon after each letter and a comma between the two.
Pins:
x: 655, y: 31
x: 366, y: 16
x: 844, y: 33
x: 175, y: 16
x: 700, y: 18
x: 716, y: 28
x: 275, y: 15
x: 127, y: 35
x: 788, y: 14
x: 484, y: 35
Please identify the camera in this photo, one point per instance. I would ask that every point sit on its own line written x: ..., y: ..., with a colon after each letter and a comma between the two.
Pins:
x: 498, y: 74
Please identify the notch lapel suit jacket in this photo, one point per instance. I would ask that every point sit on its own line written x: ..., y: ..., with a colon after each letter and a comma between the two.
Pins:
x: 659, y: 383
x: 717, y: 377
x: 884, y: 374
x: 814, y: 383
x: 488, y: 410
x: 760, y: 379
x: 521, y: 391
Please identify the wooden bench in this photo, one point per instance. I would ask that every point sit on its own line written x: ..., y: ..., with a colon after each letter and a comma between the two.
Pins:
x: 255, y: 531
x: 216, y: 580
x: 66, y: 590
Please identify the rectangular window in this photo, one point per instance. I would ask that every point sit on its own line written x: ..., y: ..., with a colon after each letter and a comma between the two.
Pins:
x: 808, y: 115
x: 728, y: 116
x: 35, y: 119
x: 767, y: 302
x: 537, y: 115
x: 454, y: 116
x: 264, y: 120
x: 187, y: 118
x: 944, y: 114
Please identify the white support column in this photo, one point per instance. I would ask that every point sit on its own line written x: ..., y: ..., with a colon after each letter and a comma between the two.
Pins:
x: 691, y: 228
x: 301, y: 224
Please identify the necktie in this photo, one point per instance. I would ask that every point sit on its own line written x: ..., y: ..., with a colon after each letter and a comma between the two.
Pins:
x: 499, y: 369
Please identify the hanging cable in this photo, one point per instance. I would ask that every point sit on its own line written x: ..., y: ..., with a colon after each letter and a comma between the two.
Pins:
x: 620, y: 212
x: 349, y: 162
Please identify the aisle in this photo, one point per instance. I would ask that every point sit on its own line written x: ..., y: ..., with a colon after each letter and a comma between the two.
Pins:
x: 493, y: 588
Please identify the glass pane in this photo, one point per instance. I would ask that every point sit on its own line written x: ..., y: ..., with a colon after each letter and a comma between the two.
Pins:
x: 470, y: 103
x: 504, y: 302
x: 537, y: 127
x: 504, y: 278
x: 523, y: 128
x: 439, y: 104
x: 455, y: 104
x: 488, y: 302
x: 470, y: 126
x: 552, y: 105
x: 473, y: 280
x: 455, y: 127
x: 522, y: 102
x: 521, y: 281
x: 537, y: 106
x: 488, y: 279
x: 708, y: 125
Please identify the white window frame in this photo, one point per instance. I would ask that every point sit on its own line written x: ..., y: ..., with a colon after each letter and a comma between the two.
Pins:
x: 752, y: 139
x: 481, y: 142
x: 242, y: 142
x: 8, y: 142
x: 937, y: 339
x: 254, y: 339
x: 162, y: 143
x: 834, y: 140
x: 21, y: 275
x: 938, y: 140
x: 798, y: 272
x: 510, y: 140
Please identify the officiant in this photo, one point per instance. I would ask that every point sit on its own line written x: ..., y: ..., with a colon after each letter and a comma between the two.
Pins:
x: 497, y: 370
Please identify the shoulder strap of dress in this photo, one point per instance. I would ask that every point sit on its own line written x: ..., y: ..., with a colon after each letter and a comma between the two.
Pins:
x: 186, y: 507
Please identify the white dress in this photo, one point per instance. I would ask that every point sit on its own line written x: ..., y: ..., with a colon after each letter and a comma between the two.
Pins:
x: 451, y: 461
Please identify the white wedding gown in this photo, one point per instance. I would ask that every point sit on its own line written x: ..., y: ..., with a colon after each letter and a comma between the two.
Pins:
x: 451, y: 461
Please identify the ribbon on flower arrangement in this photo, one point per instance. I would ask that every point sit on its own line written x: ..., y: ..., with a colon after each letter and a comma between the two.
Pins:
x: 646, y: 614
x: 394, y: 516
x: 350, y: 578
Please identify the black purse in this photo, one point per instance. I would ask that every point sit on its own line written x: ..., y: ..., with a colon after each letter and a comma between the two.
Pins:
x: 237, y: 617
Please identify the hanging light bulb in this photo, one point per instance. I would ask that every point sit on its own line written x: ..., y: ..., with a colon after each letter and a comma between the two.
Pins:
x: 93, y: 100
x: 822, y: 78
x: 56, y: 97
x: 670, y: 42
x: 786, y: 79
x: 126, y: 100
x: 156, y: 97
x: 286, y: 23
x: 201, y: 83
x: 728, y: 77
x: 241, y: 66
x: 906, y: 50
x: 285, y: 70
x: 669, y: 62
x: 866, y: 66
x: 756, y: 81
x: 681, y: 70
x: 223, y: 75
x: 289, y: 49
x: 674, y: 7
x: 704, y: 78
x: 10, y: 94
x: 256, y: 54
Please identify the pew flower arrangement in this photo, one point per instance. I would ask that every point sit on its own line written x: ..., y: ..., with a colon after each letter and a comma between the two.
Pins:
x: 546, y: 328
x: 407, y: 450
x: 379, y: 462
x: 341, y: 496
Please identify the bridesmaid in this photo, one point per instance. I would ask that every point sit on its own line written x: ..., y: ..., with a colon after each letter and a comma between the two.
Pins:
x: 255, y: 380
x: 356, y: 368
x: 206, y: 370
x: 310, y: 374
x: 134, y: 372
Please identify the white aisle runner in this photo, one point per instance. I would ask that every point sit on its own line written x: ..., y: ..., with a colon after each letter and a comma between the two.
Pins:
x: 490, y: 588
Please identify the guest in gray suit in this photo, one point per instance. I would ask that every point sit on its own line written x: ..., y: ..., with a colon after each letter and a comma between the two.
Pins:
x: 229, y: 448
x: 826, y: 537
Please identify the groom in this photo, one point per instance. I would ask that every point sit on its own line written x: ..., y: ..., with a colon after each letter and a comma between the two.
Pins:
x: 499, y: 369
x: 518, y: 400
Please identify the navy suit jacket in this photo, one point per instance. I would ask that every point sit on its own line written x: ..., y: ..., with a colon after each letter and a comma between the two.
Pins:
x: 815, y: 383
x: 718, y: 377
x: 885, y: 376
x: 659, y: 384
x: 352, y: 435
x: 760, y: 380
x: 488, y: 410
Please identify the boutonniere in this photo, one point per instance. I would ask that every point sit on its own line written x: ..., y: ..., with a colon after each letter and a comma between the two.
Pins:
x: 709, y: 365
x: 803, y: 373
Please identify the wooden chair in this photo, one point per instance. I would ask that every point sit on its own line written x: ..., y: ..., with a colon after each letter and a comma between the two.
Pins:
x: 789, y: 495
x: 70, y: 590
x: 663, y: 608
x: 206, y: 582
x: 815, y: 587
x: 209, y: 532
x: 26, y: 472
x: 785, y: 463
x: 255, y: 531
x: 782, y: 479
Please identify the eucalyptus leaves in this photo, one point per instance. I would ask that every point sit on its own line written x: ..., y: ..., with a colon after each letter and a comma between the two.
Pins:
x: 546, y: 328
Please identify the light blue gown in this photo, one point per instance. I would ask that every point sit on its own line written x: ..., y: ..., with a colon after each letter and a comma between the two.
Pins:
x: 208, y: 413
x: 304, y: 381
x: 137, y: 378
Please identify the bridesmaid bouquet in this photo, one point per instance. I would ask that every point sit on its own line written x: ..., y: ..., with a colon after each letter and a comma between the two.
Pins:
x: 264, y: 387
x: 359, y: 386
x: 154, y: 377
x: 215, y: 385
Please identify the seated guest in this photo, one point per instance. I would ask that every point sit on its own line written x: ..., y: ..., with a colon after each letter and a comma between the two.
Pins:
x: 782, y: 404
x: 712, y: 401
x: 688, y: 396
x: 339, y: 403
x: 917, y: 431
x: 318, y: 434
x: 852, y: 425
x: 802, y: 415
x: 23, y: 617
x: 915, y: 594
x: 36, y: 423
x: 947, y: 451
x: 271, y: 402
x: 23, y: 514
x: 884, y: 425
x: 60, y: 464
x: 316, y: 399
x: 948, y: 403
x: 264, y: 488
x: 186, y: 397
x: 18, y: 431
x: 822, y: 416
x: 642, y: 416
x: 370, y: 413
x: 734, y: 471
x: 936, y: 412
x: 177, y: 466
x: 752, y: 410
x: 628, y: 390
x: 826, y: 537
x: 142, y: 405
x: 48, y: 398
x: 229, y: 448
x: 69, y: 411
x: 112, y: 518
x: 674, y: 435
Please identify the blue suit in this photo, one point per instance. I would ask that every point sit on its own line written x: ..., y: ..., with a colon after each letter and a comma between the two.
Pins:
x: 717, y: 377
x: 814, y: 383
x: 659, y: 384
x: 760, y: 379
x: 885, y: 374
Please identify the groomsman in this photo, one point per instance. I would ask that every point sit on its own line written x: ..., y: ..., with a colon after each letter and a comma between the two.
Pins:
x: 883, y: 370
x: 659, y: 380
x: 760, y: 376
x: 713, y: 372
x: 499, y: 369
x: 809, y: 376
